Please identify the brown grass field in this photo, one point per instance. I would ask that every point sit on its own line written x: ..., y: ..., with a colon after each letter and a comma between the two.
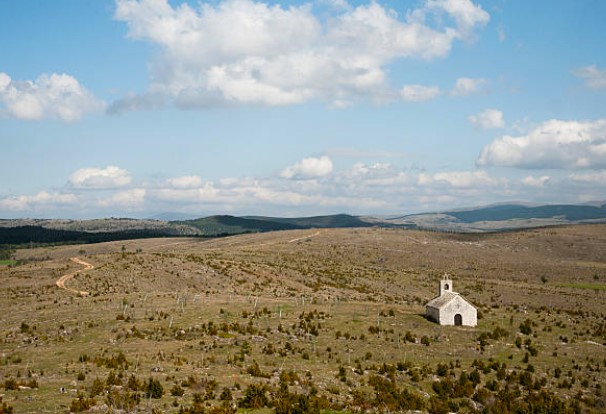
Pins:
x: 323, y: 312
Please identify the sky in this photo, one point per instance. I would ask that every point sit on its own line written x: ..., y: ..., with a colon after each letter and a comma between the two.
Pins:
x: 133, y: 108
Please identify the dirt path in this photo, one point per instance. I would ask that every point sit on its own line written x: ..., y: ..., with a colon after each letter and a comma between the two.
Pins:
x: 306, y: 237
x: 61, y: 281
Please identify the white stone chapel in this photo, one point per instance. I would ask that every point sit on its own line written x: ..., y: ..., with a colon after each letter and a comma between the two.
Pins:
x: 451, y: 308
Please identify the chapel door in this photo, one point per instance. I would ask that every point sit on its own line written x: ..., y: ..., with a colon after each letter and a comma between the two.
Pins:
x: 458, y: 319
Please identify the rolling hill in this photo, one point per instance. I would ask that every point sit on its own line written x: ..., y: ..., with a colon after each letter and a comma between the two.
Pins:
x: 503, y: 217
x: 493, y: 218
x: 228, y: 225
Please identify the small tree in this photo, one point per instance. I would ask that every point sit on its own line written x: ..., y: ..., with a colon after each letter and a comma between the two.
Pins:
x: 526, y: 327
x: 254, y: 396
x: 154, y: 389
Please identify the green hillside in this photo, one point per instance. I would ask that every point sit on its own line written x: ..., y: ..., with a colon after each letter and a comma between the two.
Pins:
x: 333, y: 221
x: 509, y: 212
x: 229, y: 225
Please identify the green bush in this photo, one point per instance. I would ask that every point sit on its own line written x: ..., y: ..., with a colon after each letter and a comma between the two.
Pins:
x: 526, y: 327
x: 255, y: 396
x: 154, y: 389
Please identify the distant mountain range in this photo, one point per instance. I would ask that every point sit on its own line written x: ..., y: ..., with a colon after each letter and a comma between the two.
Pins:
x: 503, y: 217
x: 482, y: 219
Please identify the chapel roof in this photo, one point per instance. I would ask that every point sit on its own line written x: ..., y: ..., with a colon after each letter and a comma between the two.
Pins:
x: 442, y: 300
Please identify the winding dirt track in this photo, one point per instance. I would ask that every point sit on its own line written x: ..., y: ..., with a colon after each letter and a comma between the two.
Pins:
x: 61, y: 281
x: 306, y: 237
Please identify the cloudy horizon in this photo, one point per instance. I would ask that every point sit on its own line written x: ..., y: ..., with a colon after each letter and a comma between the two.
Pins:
x: 132, y: 108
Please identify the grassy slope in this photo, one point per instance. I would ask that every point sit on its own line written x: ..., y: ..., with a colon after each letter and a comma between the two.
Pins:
x: 156, y: 306
x: 7, y: 262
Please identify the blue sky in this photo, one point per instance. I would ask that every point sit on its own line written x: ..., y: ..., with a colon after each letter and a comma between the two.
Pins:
x: 134, y: 108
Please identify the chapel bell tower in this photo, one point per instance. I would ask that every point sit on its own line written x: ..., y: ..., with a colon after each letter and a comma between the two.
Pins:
x: 445, y: 284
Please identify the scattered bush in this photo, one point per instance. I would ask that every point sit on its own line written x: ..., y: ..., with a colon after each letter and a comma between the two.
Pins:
x: 154, y: 389
x: 255, y: 396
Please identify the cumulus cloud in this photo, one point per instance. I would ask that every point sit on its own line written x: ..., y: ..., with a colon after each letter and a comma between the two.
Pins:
x: 458, y: 179
x: 129, y: 199
x: 57, y: 96
x: 307, y: 168
x: 468, y: 86
x: 465, y: 13
x: 594, y: 77
x: 337, y: 4
x: 360, y: 188
x: 488, y: 119
x: 537, y: 182
x: 100, y: 178
x: 419, y: 93
x: 553, y: 144
x: 43, y: 198
x: 249, y: 52
x: 188, y: 181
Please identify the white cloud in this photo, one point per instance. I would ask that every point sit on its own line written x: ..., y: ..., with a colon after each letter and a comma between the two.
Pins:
x: 189, y: 181
x: 245, y: 51
x: 129, y: 199
x: 468, y: 86
x: 204, y: 192
x: 419, y: 93
x: 596, y: 178
x: 502, y: 35
x: 58, y: 96
x: 537, y: 182
x: 553, y: 144
x: 462, y: 179
x: 465, y: 13
x: 309, y: 168
x: 337, y: 4
x: 42, y: 199
x: 360, y: 188
x: 97, y: 178
x: 488, y: 119
x: 594, y: 77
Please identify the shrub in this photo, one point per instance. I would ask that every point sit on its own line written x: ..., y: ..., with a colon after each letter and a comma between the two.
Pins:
x: 81, y: 403
x: 224, y: 408
x: 154, y: 389
x: 255, y: 371
x: 133, y: 383
x: 287, y: 403
x: 5, y: 408
x: 387, y: 395
x: 10, y: 384
x: 226, y: 395
x: 255, y: 396
x: 177, y: 391
x: 122, y: 399
x: 526, y: 327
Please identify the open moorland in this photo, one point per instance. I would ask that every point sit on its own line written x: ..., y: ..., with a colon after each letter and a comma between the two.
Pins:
x: 307, y: 321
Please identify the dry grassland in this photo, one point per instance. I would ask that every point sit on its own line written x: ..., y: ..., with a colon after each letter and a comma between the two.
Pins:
x: 324, y: 312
